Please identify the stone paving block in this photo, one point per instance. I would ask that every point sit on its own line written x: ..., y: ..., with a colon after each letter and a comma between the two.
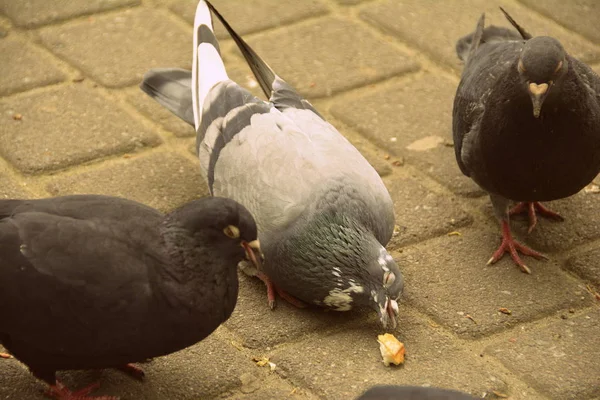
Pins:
x: 247, y: 17
x: 448, y: 279
x: 260, y: 328
x: 117, y: 49
x: 163, y: 180
x: 349, y: 2
x: 33, y: 13
x: 65, y: 126
x: 412, y: 22
x: 581, y: 224
x: 580, y: 15
x: 413, y: 119
x: 24, y: 67
x: 10, y: 189
x: 199, y: 372
x: 345, y: 364
x: 420, y: 212
x: 561, y: 360
x: 272, y: 388
x: 586, y: 266
x: 329, y: 55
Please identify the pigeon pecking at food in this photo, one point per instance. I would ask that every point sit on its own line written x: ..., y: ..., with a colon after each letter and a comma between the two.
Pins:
x: 526, y: 124
x: 91, y: 282
x: 392, y: 392
x: 323, y: 213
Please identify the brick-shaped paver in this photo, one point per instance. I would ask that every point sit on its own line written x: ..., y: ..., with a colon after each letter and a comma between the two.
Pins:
x: 201, y: 371
x: 420, y: 212
x: 65, y: 126
x: 561, y: 360
x: 272, y: 388
x: 163, y: 180
x: 328, y: 55
x: 267, y: 13
x: 24, y: 67
x: 412, y: 21
x: 138, y: 38
x: 349, y: 2
x: 261, y: 328
x: 580, y: 16
x: 581, y: 224
x: 411, y: 118
x: 587, y: 266
x: 448, y: 279
x: 344, y: 364
x: 32, y: 13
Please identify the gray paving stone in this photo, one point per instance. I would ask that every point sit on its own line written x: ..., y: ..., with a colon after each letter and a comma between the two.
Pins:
x: 33, y: 13
x: 413, y: 119
x: 349, y: 2
x: 117, y: 49
x: 580, y: 16
x: 66, y: 126
x: 345, y: 364
x: 343, y: 55
x: 412, y: 21
x: 420, y: 212
x: 273, y: 388
x: 260, y: 328
x: 163, y: 180
x: 247, y: 17
x: 560, y: 360
x: 448, y: 279
x: 581, y: 224
x: 24, y: 67
x: 586, y: 266
x: 199, y: 372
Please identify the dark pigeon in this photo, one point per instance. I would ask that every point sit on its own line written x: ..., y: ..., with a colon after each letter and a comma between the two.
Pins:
x: 91, y: 282
x: 526, y: 124
x: 323, y: 213
x: 389, y: 392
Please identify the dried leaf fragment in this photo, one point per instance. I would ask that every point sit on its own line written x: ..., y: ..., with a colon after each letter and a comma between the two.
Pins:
x: 504, y: 310
x: 5, y: 355
x: 17, y: 117
x: 392, y: 350
x: 454, y: 233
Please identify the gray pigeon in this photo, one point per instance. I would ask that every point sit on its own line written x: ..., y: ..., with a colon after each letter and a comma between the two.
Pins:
x: 391, y: 392
x: 323, y: 213
x: 526, y: 124
x: 91, y: 282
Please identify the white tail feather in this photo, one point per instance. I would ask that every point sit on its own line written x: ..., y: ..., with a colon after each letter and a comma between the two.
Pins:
x: 211, y: 71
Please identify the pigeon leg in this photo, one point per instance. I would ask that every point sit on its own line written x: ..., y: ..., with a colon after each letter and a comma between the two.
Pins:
x: 510, y: 245
x: 272, y: 289
x: 58, y: 391
x: 133, y: 370
x: 532, y: 208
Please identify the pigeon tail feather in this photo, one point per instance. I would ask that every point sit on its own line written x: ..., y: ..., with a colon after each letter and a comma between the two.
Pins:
x: 261, y: 70
x: 524, y: 34
x: 207, y: 66
x: 172, y: 89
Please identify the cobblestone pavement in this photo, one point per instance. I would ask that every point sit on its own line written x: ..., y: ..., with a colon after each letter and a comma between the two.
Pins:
x: 384, y: 72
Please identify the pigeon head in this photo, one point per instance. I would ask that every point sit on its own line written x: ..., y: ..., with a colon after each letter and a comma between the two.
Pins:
x: 356, y: 269
x: 542, y: 65
x: 222, y: 223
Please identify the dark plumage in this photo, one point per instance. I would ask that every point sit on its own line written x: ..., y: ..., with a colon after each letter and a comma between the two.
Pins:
x: 95, y: 282
x: 389, y: 392
x: 324, y: 214
x: 526, y: 123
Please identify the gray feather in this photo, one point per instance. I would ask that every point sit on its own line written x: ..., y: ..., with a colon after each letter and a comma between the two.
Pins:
x: 171, y: 88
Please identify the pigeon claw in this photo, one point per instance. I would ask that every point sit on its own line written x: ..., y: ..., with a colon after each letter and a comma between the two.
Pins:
x: 133, y: 370
x: 532, y: 208
x: 58, y: 391
x: 511, y: 246
x: 272, y: 289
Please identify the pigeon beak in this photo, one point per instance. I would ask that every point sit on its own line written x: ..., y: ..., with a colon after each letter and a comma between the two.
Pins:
x: 538, y: 94
x: 388, y: 313
x: 253, y: 252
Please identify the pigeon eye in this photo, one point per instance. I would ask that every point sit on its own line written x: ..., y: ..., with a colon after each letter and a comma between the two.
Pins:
x: 558, y: 67
x: 232, y: 231
x: 521, y: 66
x: 388, y: 278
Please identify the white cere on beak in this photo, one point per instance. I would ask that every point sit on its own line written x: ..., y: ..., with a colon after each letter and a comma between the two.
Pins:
x: 394, y: 305
x: 388, y: 279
